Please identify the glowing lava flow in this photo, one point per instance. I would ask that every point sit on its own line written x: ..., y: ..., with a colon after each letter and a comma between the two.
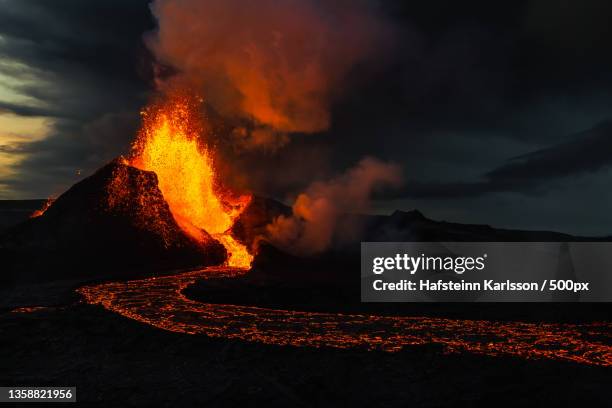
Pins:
x: 43, y: 209
x: 168, y: 145
x: 160, y: 302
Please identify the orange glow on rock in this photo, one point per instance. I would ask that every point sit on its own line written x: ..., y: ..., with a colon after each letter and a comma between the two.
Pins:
x: 43, y: 209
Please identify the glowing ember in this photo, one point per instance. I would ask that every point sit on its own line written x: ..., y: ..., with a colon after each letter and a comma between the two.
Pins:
x: 29, y: 309
x: 168, y: 145
x: 43, y: 209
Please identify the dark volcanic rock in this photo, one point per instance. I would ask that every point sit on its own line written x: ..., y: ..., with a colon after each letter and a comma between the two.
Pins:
x: 251, y: 224
x: 112, y: 222
x: 414, y: 226
x: 117, y: 362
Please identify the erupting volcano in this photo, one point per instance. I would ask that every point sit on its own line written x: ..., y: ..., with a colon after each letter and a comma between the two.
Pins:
x: 170, y: 145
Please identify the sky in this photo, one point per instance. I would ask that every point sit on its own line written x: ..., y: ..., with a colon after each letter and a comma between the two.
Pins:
x: 498, y: 113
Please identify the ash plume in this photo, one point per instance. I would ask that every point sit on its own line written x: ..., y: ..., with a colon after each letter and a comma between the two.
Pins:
x: 274, y: 67
x: 311, y: 227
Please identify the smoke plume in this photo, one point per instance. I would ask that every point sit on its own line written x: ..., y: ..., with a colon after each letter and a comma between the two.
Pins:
x: 310, y: 229
x: 274, y: 66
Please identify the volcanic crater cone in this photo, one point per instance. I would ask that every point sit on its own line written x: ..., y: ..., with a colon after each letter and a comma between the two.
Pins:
x: 110, y: 223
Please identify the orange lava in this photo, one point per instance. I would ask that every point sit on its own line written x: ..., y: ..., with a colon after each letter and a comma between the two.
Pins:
x: 29, y: 309
x: 169, y: 144
x: 159, y: 302
x: 43, y: 209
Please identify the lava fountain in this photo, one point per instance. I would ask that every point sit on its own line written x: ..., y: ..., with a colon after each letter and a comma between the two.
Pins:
x: 170, y: 145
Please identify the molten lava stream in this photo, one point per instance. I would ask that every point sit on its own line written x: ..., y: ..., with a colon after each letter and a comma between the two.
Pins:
x: 43, y: 209
x: 160, y: 302
x: 168, y: 145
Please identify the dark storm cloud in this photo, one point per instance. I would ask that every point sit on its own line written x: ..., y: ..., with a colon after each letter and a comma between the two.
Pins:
x: 587, y: 152
x: 83, y: 66
x: 24, y: 110
x: 536, y: 72
x: 477, y: 65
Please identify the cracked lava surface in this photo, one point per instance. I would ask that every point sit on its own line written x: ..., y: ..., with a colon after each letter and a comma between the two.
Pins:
x: 159, y: 301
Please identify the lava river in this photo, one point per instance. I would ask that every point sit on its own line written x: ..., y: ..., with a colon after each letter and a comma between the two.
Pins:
x: 159, y: 301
